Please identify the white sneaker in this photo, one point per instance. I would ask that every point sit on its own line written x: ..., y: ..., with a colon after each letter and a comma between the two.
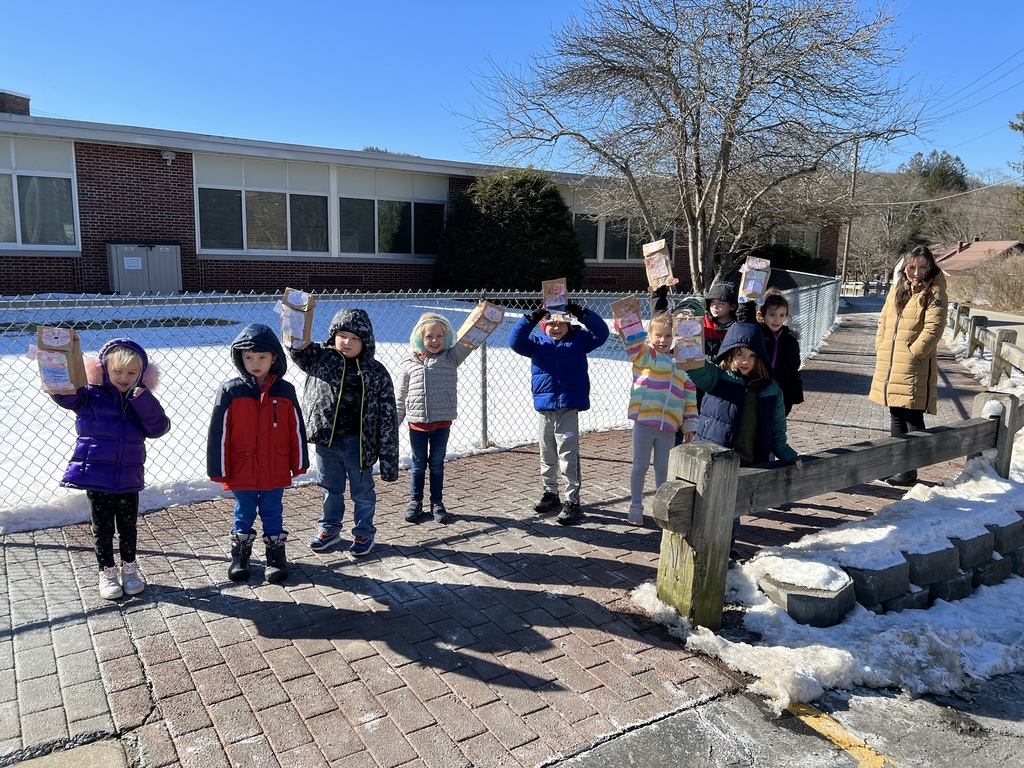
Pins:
x: 636, y: 514
x: 131, y: 579
x: 110, y: 586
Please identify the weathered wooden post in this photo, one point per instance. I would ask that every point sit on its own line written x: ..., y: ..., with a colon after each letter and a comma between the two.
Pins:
x: 973, y: 342
x: 1009, y: 423
x: 695, y: 539
x: 1000, y: 364
x: 960, y: 320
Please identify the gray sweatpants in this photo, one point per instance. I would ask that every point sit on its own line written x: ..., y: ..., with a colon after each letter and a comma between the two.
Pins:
x: 646, y: 439
x: 560, y: 451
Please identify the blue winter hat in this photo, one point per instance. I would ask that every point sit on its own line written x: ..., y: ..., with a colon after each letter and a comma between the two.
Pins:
x: 747, y: 335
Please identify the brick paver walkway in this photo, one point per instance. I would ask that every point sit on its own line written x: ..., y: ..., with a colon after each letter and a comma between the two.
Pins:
x: 501, y: 639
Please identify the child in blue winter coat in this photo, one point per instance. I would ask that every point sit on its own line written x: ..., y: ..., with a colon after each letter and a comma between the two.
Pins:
x: 115, y: 413
x: 256, y: 445
x: 743, y: 409
x: 561, y: 389
x: 426, y: 391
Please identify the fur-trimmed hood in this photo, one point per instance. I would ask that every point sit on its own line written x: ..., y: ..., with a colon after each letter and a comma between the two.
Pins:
x: 96, y: 369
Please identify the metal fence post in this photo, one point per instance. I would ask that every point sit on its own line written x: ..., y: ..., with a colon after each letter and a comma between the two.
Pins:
x: 484, y: 440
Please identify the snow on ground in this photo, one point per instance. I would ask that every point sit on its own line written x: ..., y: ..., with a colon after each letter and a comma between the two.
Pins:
x: 947, y: 648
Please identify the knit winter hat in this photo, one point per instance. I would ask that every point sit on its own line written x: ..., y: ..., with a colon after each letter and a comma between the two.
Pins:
x: 722, y: 292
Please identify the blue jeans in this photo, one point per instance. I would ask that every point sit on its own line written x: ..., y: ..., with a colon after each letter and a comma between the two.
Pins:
x: 270, y: 505
x: 337, y: 463
x: 428, y: 449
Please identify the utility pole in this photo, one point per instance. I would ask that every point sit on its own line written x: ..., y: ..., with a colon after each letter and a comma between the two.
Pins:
x: 849, y: 219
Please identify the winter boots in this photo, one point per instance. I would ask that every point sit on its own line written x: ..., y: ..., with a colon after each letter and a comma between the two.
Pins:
x: 277, y: 563
x: 241, y: 551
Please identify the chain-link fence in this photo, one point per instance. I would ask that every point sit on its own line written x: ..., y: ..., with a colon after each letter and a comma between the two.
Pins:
x: 188, y: 337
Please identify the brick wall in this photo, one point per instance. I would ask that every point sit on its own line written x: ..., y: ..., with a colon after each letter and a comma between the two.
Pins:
x: 131, y: 194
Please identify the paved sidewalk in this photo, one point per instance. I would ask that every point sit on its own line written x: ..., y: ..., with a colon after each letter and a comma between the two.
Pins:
x: 501, y: 639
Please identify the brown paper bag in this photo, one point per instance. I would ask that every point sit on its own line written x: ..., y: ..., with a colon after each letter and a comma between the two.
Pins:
x: 626, y: 313
x: 297, y: 318
x: 688, y: 342
x: 61, y: 365
x: 555, y: 295
x: 755, y: 271
x: 482, y: 321
x: 658, y: 262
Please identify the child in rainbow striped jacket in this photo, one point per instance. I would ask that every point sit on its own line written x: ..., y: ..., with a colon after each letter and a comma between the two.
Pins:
x: 662, y: 400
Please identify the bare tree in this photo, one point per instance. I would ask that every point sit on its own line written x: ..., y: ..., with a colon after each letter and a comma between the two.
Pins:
x: 674, y: 103
x: 886, y: 222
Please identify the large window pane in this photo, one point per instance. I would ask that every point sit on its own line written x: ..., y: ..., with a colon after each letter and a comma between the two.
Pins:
x: 394, y: 226
x: 616, y: 237
x: 47, y: 216
x: 266, y: 221
x: 586, y: 234
x: 637, y: 238
x: 309, y: 223
x: 429, y: 225
x: 220, y: 218
x: 7, y: 233
x: 357, y: 226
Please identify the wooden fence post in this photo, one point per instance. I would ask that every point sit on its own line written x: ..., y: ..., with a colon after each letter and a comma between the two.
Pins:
x: 693, y: 566
x: 960, y: 320
x: 973, y: 342
x: 1000, y: 364
x: 1009, y: 423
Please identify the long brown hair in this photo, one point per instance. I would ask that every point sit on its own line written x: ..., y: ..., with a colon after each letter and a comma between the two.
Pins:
x: 904, y: 290
x: 760, y: 372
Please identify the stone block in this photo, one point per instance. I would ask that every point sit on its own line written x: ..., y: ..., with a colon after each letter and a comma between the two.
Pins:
x: 878, y: 585
x: 991, y: 573
x: 956, y: 588
x: 1017, y: 558
x: 974, y: 551
x: 915, y: 597
x: 930, y: 567
x: 1007, y: 537
x: 806, y: 605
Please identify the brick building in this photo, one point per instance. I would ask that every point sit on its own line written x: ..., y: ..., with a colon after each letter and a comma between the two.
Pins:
x: 98, y: 208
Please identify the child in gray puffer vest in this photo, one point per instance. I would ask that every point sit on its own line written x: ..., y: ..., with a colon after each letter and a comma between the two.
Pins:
x: 426, y: 393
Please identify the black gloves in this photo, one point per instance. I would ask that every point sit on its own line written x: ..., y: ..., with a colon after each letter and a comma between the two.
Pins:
x: 537, y: 315
x: 575, y: 310
x: 661, y: 299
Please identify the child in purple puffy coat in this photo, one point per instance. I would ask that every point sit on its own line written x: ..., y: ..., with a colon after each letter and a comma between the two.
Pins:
x: 115, y: 413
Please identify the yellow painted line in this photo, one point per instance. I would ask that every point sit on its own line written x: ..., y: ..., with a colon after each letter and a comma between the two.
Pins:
x: 865, y: 756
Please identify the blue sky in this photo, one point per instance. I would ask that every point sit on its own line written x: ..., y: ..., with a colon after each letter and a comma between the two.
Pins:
x: 394, y: 74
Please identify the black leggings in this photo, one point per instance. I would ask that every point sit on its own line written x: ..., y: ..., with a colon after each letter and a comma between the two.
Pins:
x: 110, y: 511
x: 904, y: 420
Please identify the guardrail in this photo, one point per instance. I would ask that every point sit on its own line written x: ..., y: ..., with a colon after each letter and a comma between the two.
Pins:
x: 697, y: 525
x: 1006, y: 355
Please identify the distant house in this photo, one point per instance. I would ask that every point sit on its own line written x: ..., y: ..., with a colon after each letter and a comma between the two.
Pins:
x: 100, y: 208
x: 961, y: 257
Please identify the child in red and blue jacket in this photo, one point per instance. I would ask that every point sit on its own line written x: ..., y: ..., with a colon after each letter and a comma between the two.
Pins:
x: 256, y: 445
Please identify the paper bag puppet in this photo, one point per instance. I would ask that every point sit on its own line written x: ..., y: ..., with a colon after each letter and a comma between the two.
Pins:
x: 688, y: 342
x: 626, y: 315
x: 755, y: 271
x: 61, y: 365
x: 658, y: 262
x: 555, y: 296
x: 482, y: 321
x: 296, y: 309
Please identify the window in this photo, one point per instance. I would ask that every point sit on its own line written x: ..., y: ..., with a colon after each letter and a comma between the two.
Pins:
x: 805, y: 240
x: 253, y: 204
x: 611, y: 240
x: 402, y: 227
x: 37, y: 205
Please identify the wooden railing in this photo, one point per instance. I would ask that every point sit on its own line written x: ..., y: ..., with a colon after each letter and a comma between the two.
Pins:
x: 707, y: 490
x: 1006, y: 355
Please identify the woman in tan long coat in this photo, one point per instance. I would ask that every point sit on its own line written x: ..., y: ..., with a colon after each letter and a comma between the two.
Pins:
x: 906, y: 347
